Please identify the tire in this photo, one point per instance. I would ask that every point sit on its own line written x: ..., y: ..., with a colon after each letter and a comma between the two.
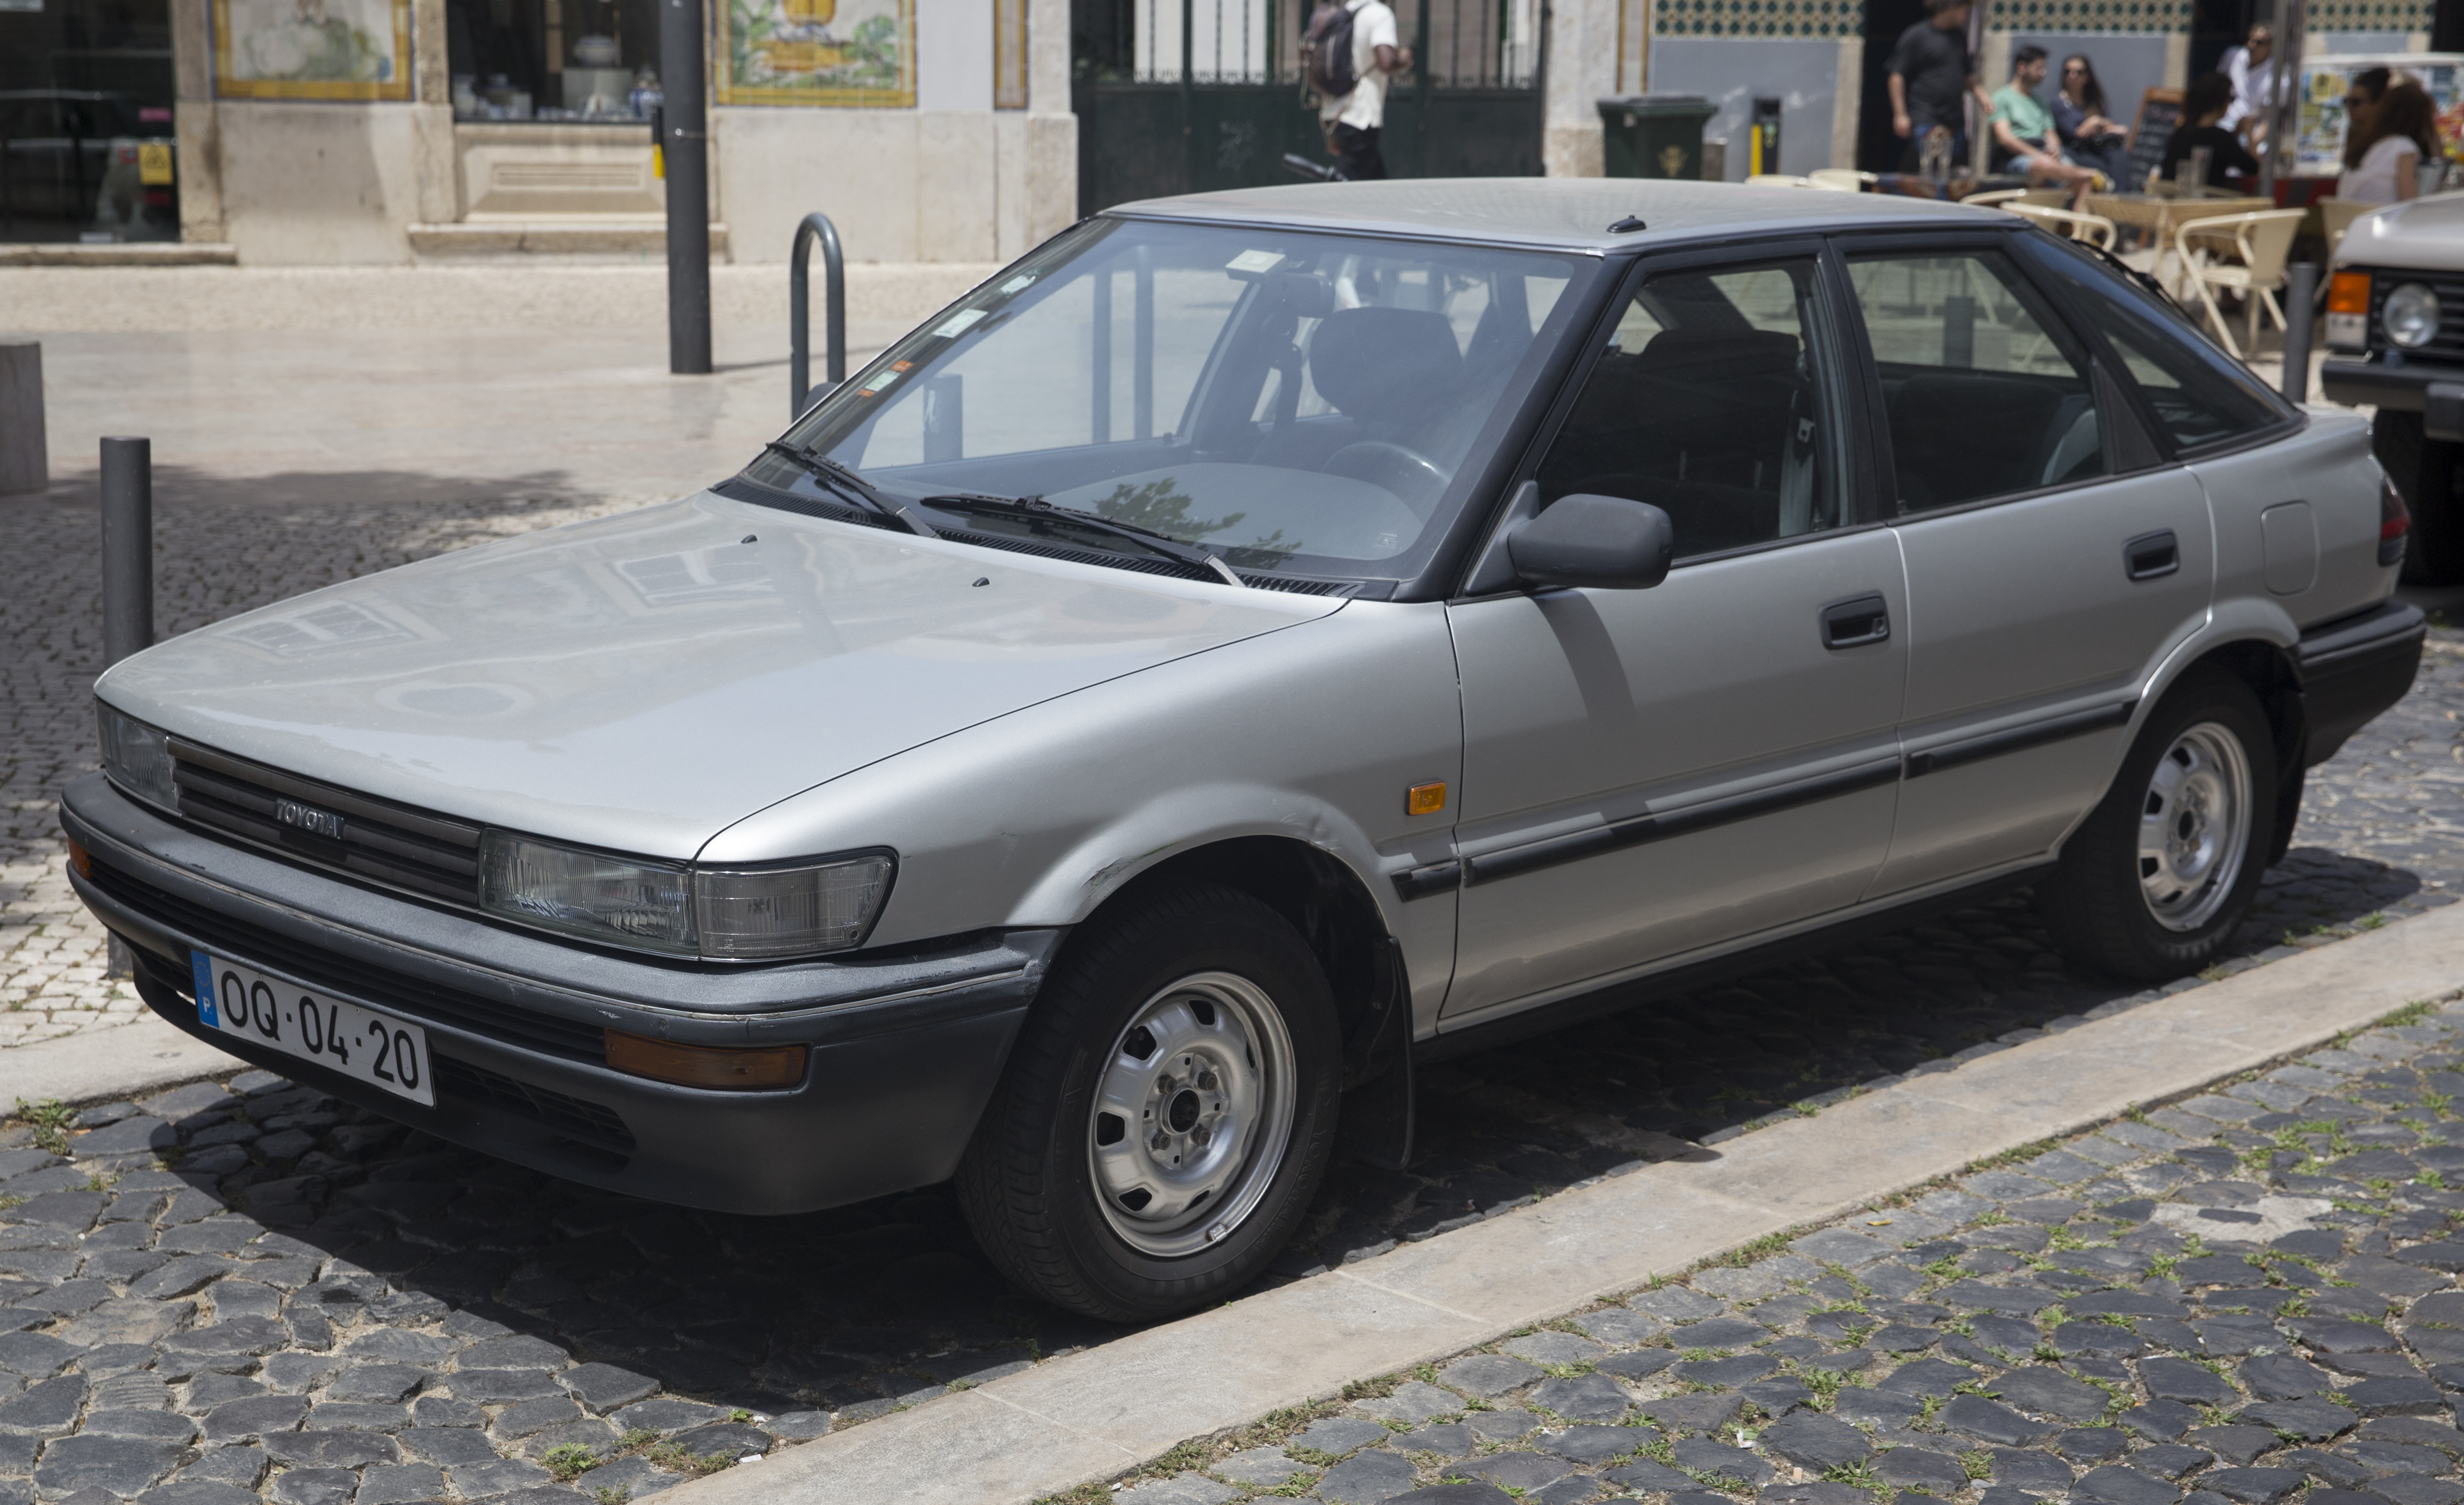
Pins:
x: 2152, y: 884
x: 2429, y: 475
x: 1236, y: 1095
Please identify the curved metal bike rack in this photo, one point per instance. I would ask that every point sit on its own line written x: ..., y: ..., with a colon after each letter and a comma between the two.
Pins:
x: 799, y: 304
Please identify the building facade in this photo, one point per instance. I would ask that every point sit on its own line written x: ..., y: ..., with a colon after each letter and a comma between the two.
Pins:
x: 397, y: 131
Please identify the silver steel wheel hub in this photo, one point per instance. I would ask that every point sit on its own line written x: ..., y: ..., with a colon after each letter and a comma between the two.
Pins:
x: 2194, y: 827
x: 1192, y: 1114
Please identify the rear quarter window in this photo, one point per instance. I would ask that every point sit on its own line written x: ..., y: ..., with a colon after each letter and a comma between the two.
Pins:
x: 2201, y: 396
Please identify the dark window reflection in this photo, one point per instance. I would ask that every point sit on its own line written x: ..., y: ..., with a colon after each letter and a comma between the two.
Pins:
x: 86, y: 122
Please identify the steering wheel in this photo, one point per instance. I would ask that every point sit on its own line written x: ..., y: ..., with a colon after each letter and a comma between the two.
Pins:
x: 1414, y: 479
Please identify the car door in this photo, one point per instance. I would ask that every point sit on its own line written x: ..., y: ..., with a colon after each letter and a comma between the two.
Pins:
x: 2053, y: 557
x: 2269, y: 499
x: 1648, y: 773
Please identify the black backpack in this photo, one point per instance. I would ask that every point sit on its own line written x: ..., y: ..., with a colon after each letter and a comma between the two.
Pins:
x: 1326, y: 51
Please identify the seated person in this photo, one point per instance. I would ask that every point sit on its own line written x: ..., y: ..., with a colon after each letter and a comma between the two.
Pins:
x: 2025, y: 129
x: 2203, y: 108
x: 2090, y: 138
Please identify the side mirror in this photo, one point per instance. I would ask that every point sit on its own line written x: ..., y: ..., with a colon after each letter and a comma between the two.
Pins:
x: 1604, y: 542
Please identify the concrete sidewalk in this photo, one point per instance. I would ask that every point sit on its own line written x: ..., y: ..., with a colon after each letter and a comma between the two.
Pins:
x: 1103, y: 1411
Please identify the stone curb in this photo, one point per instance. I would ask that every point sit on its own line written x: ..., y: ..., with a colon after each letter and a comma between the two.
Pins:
x: 1098, y: 1413
x: 109, y: 1063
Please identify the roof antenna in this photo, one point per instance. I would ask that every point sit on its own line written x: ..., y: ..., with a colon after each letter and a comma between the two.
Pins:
x: 1628, y: 226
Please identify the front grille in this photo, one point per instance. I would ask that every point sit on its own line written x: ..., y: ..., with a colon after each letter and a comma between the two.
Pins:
x: 2449, y: 343
x: 375, y: 840
x: 315, y: 966
x: 590, y: 1124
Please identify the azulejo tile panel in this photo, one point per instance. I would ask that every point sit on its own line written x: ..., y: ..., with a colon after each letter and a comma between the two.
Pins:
x: 1752, y: 19
x: 2091, y: 15
x: 2370, y: 15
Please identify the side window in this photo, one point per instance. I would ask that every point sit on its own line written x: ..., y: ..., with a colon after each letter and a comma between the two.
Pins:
x: 1716, y: 403
x: 1986, y: 391
x: 2200, y: 394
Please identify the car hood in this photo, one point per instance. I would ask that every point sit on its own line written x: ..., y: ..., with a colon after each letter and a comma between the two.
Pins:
x: 641, y: 681
x: 2424, y: 234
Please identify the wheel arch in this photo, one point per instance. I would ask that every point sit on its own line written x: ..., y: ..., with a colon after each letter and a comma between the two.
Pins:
x: 1332, y: 908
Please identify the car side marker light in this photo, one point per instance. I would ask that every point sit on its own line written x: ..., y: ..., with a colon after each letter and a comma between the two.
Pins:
x: 718, y: 1068
x: 1424, y: 799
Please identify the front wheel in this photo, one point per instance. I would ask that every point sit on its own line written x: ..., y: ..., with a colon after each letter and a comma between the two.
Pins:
x: 1167, y: 1113
x: 2153, y: 882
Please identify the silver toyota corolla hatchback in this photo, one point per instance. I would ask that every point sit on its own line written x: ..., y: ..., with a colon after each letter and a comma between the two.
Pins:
x: 1256, y: 642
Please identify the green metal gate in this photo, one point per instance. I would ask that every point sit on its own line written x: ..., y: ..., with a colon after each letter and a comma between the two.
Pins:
x: 1186, y: 96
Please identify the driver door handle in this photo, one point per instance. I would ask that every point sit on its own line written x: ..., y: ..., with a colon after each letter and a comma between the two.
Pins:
x: 1851, y: 624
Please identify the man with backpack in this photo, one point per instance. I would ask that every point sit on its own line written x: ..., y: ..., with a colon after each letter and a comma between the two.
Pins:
x: 1350, y: 51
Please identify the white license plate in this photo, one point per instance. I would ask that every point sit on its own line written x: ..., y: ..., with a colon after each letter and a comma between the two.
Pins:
x: 374, y: 1047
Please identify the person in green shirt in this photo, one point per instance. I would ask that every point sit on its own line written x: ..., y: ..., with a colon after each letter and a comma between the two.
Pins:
x: 2024, y: 128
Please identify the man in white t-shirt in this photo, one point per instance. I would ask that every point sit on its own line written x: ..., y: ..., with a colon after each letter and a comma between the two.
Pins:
x: 1352, y: 121
x: 2252, y: 68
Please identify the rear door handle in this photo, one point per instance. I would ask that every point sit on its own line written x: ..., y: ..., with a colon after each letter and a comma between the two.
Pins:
x: 2151, y: 555
x: 1851, y: 624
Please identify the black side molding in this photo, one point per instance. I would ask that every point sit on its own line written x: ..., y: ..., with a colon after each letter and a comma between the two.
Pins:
x: 1995, y: 744
x: 1575, y: 846
x: 1437, y: 877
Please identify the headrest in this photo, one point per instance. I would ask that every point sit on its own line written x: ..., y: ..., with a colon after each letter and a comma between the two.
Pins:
x: 1718, y: 355
x: 1385, y: 364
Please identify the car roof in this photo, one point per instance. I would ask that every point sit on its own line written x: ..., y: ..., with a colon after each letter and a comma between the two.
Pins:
x: 1571, y: 213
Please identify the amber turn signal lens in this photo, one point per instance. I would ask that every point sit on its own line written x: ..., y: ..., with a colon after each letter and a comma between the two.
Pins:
x: 1424, y: 799
x: 2349, y: 293
x: 705, y: 1066
x: 80, y: 859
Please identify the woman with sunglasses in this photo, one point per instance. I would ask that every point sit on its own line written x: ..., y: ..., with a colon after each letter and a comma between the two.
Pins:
x: 2391, y: 128
x: 2088, y: 137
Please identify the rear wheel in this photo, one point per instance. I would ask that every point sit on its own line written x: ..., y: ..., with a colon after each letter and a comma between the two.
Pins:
x: 1167, y: 1113
x: 2429, y: 474
x: 2153, y: 882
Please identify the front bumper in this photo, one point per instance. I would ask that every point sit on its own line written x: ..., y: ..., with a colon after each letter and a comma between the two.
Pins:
x: 2435, y: 389
x: 2353, y: 669
x: 904, y: 1050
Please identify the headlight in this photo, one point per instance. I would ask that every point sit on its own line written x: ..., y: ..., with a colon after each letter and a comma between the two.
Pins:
x: 723, y: 914
x: 2410, y: 316
x: 136, y: 758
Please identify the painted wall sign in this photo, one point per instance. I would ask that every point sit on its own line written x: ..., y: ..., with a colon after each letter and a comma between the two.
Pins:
x: 849, y: 53
x: 312, y: 48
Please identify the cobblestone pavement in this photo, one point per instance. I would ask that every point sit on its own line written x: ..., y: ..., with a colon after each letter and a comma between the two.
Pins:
x: 2228, y: 1302
x: 264, y: 1246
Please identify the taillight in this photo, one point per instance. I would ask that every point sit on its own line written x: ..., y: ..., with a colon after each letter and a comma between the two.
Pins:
x: 2395, y: 520
x: 2348, y: 311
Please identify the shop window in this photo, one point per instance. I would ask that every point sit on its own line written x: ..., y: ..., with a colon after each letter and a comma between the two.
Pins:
x: 554, y: 60
x: 86, y: 122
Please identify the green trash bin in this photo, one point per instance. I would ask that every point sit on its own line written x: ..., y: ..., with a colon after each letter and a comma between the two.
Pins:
x: 1654, y: 135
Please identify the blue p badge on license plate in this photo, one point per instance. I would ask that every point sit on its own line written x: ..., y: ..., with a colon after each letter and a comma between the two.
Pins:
x: 202, y: 968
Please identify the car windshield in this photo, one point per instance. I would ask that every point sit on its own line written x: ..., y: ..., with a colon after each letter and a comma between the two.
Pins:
x: 1292, y: 403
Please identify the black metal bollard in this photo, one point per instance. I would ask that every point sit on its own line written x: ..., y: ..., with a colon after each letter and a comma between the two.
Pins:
x: 800, y: 310
x: 2300, y: 302
x: 127, y: 580
x: 127, y: 548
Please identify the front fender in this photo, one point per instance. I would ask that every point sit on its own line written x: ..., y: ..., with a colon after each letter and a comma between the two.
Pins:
x: 1169, y: 823
x: 1313, y: 731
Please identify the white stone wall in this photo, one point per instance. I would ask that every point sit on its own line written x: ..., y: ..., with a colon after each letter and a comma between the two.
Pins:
x: 951, y: 181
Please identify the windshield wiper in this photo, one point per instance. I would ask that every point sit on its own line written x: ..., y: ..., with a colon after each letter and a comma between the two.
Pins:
x: 1039, y: 513
x: 848, y: 483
